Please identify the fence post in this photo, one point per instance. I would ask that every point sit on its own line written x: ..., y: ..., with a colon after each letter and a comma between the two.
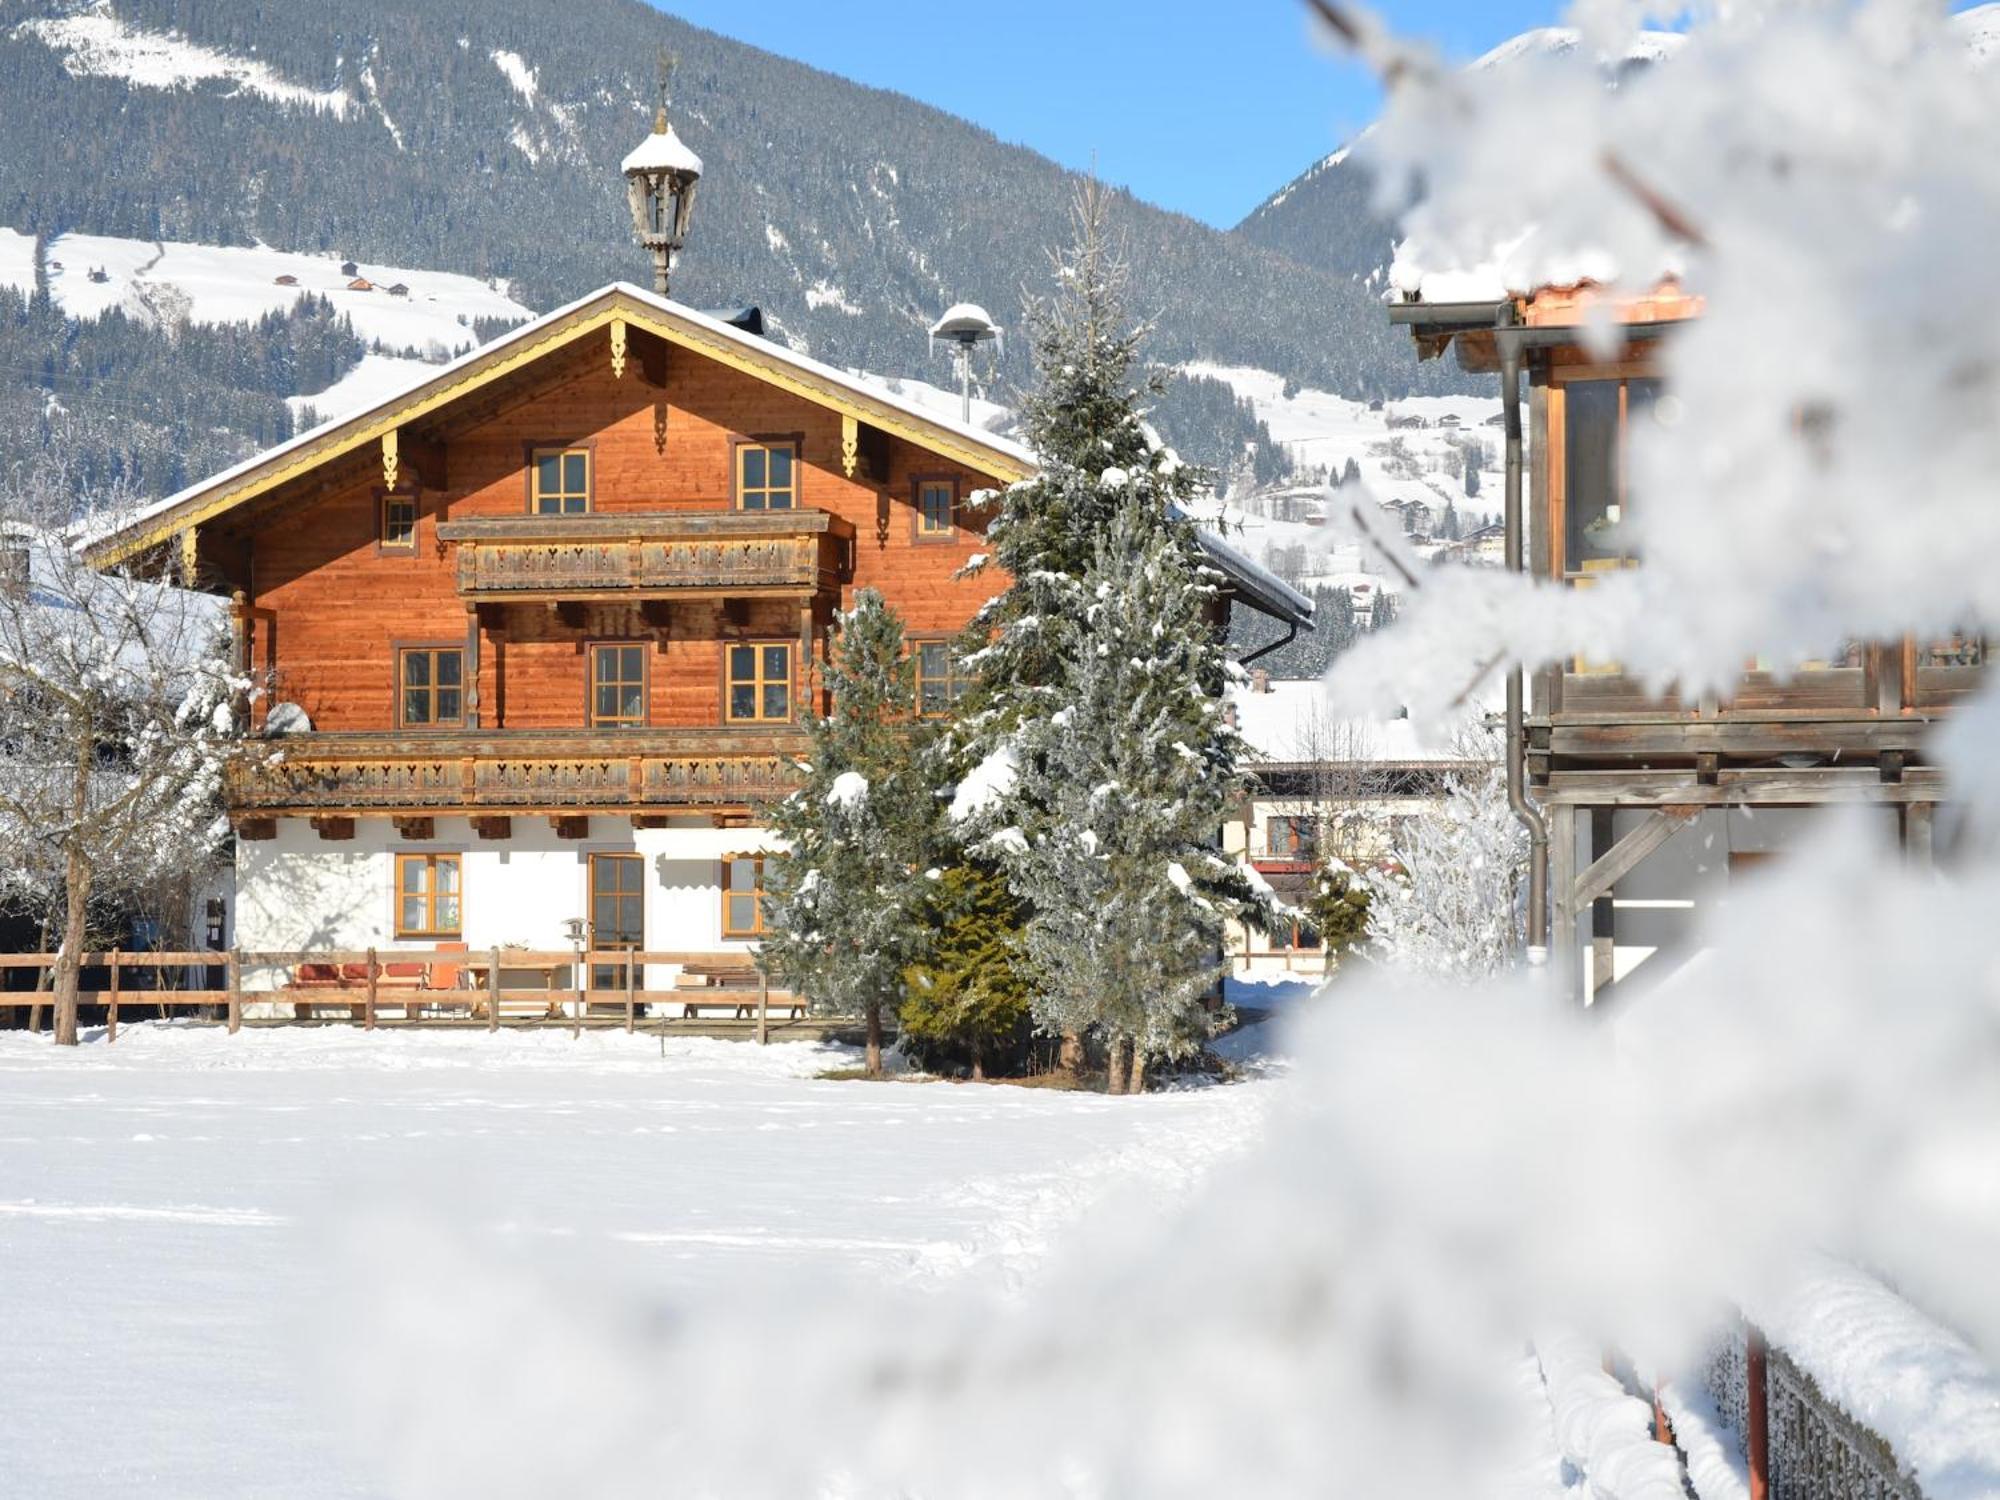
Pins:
x: 235, y: 971
x: 493, y: 991
x: 631, y: 999
x: 368, y: 999
x: 582, y: 991
x: 763, y: 1008
x: 1757, y: 1416
x: 111, y: 1013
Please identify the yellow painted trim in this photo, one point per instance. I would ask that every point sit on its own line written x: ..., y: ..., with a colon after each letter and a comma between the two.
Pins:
x: 850, y: 443
x: 615, y: 308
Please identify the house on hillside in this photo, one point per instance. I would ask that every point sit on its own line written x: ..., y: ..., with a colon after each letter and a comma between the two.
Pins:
x: 349, y: 268
x: 361, y: 284
x: 1654, y: 806
x: 400, y: 289
x: 1322, y: 787
x: 541, y: 626
x: 285, y: 280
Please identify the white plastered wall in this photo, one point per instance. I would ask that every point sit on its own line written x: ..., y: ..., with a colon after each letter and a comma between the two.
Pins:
x: 299, y: 892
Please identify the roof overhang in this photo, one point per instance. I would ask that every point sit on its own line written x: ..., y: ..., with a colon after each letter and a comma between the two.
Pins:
x: 1553, y: 319
x: 678, y: 326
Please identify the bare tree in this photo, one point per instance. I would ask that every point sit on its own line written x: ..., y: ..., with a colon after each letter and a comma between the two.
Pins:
x: 118, y: 714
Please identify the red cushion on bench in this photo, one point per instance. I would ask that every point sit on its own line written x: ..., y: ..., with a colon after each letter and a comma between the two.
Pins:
x: 317, y: 974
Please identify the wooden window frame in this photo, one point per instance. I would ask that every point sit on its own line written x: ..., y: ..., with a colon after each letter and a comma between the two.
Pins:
x: 796, y: 441
x: 921, y: 537
x: 532, y: 451
x: 433, y: 858
x: 760, y: 645
x: 383, y: 546
x: 954, y: 677
x: 611, y: 974
x: 397, y: 651
x: 757, y: 929
x: 590, y: 650
x: 1304, y: 835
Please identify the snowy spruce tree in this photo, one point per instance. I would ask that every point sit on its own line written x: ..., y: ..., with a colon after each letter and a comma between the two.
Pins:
x: 972, y: 994
x: 1098, y: 685
x: 844, y: 905
x: 1118, y: 798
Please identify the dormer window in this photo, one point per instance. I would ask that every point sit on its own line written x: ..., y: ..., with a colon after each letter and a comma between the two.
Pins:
x: 559, y: 481
x: 767, y: 476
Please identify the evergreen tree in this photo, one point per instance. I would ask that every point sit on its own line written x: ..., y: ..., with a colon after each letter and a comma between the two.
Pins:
x: 1119, y: 796
x: 844, y: 904
x: 1338, y: 910
x: 1448, y: 528
x: 1351, y: 472
x: 971, y: 995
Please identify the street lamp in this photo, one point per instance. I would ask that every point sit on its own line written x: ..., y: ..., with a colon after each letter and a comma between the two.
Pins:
x: 660, y: 176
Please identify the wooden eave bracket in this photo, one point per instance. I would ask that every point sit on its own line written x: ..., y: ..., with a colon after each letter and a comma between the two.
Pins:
x: 1625, y: 856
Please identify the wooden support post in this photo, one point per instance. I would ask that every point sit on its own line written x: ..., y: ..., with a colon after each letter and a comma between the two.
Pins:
x: 1562, y: 886
x: 582, y: 981
x: 368, y: 1002
x: 111, y: 1012
x: 1625, y: 856
x: 763, y: 1008
x: 631, y: 999
x: 1757, y: 1417
x: 235, y: 972
x: 471, y: 688
x: 493, y: 991
x: 1603, y: 909
x: 1919, y: 836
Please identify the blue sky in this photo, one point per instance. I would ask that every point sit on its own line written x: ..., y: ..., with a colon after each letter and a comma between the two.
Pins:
x: 1204, y: 106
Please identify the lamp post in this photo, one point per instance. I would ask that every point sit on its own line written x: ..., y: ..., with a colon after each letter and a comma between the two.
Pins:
x: 660, y: 176
x: 574, y: 928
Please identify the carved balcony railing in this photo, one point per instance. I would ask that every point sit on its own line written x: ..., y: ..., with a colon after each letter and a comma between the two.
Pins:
x: 659, y: 771
x: 650, y: 555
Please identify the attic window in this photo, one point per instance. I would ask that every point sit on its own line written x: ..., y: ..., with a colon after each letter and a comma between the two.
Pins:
x: 399, y: 522
x: 559, y: 482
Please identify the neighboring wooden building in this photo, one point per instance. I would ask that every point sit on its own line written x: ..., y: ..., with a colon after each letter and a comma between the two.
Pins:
x: 549, y: 617
x: 1653, y: 805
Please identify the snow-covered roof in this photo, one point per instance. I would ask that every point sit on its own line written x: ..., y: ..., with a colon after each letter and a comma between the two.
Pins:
x: 662, y: 151
x: 1292, y: 723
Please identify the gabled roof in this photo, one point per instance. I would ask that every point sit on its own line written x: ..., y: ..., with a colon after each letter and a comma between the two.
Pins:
x: 152, y: 525
x: 728, y: 339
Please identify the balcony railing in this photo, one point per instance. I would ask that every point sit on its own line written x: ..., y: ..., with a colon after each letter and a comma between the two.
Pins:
x: 650, y: 555
x: 636, y: 771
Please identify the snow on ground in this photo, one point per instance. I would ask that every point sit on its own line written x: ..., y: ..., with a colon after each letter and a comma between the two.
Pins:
x: 17, y: 260
x: 376, y: 378
x: 186, y: 1215
x: 95, y: 43
x: 238, y: 284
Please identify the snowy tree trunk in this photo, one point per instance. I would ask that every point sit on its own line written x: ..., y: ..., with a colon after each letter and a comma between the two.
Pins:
x: 69, y: 958
x: 1118, y: 1065
x: 978, y: 1058
x: 1069, y: 1056
x: 1138, y: 1083
x: 874, y: 1039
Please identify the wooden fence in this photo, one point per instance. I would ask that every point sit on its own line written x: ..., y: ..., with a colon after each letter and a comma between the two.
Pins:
x: 367, y: 988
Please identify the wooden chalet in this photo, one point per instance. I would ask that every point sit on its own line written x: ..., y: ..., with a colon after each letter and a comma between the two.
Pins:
x: 539, y: 629
x: 1607, y: 776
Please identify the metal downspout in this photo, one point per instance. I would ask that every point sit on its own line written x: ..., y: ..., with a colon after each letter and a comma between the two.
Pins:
x: 1291, y: 634
x: 1517, y: 738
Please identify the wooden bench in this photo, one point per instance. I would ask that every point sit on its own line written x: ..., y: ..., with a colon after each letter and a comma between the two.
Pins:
x: 733, y: 985
x: 397, y: 984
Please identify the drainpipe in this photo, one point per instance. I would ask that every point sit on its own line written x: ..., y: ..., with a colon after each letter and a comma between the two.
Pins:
x: 1517, y: 738
x: 1291, y: 634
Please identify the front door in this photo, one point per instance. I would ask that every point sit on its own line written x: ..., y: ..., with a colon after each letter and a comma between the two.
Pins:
x: 617, y: 913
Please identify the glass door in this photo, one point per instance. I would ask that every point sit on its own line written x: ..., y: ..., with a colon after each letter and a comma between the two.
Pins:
x: 617, y: 914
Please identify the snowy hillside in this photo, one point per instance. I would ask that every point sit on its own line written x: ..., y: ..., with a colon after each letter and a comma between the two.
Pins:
x: 1407, y: 453
x: 171, y: 282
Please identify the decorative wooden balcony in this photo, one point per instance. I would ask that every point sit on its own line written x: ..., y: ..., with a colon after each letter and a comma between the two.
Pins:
x: 650, y: 555
x: 657, y: 772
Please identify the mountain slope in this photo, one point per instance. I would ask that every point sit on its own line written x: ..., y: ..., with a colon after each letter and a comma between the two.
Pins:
x: 484, y: 140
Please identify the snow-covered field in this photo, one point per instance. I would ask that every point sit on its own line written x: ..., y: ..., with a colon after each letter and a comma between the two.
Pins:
x: 189, y: 1221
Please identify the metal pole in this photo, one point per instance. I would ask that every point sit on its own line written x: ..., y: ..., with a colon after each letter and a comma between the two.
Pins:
x: 1517, y: 742
x: 965, y: 383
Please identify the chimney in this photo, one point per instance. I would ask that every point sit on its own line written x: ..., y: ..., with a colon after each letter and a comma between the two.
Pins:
x: 1260, y: 680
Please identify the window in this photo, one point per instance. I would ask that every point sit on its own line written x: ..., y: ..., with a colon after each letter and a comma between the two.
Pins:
x: 617, y: 686
x: 399, y: 521
x: 617, y: 912
x: 760, y: 684
x: 427, y: 896
x: 939, y: 682
x: 559, y: 482
x: 432, y: 686
x: 937, y: 499
x: 1598, y: 415
x: 1289, y: 837
x: 766, y: 476
x: 743, y: 896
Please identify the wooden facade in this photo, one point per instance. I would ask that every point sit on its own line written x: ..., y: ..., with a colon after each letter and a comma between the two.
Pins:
x: 1617, y: 772
x: 588, y: 569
